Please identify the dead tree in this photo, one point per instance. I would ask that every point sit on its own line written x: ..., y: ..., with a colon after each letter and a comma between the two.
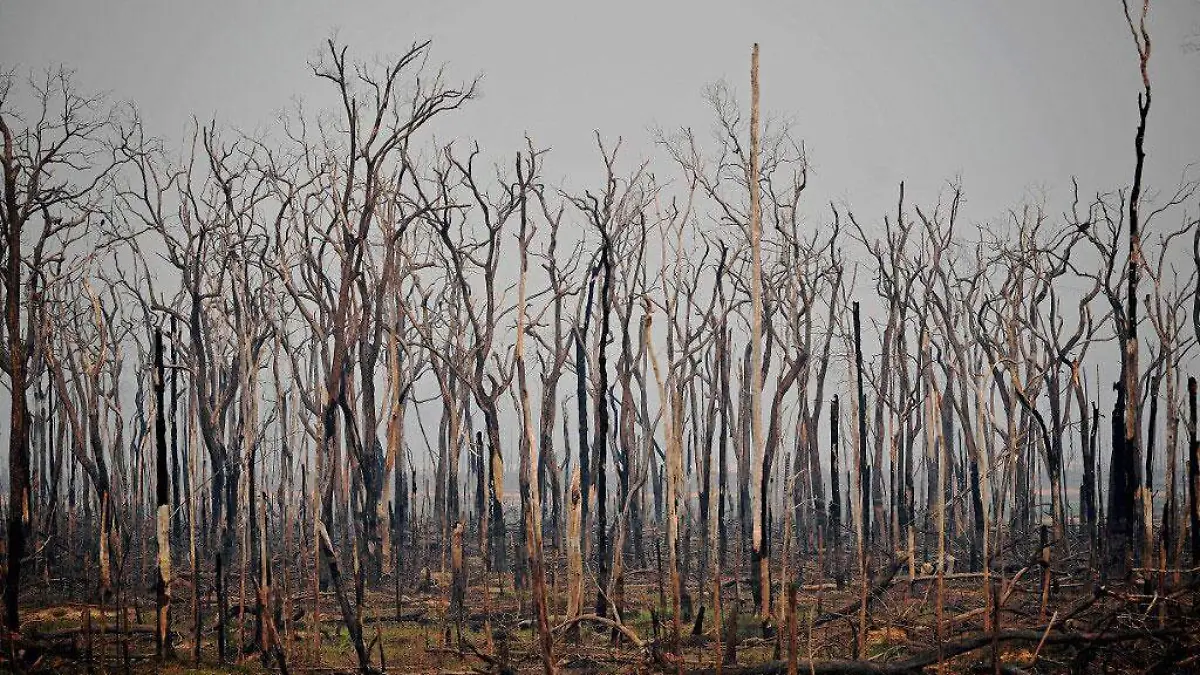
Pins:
x: 601, y: 219
x: 610, y: 211
x: 756, y: 338
x: 835, y: 492
x: 557, y: 352
x: 1127, y: 502
x: 201, y: 213
x: 671, y: 398
x: 530, y: 487
x: 896, y: 393
x: 81, y: 323
x: 862, y: 465
x: 163, y: 502
x: 1166, y: 309
x: 54, y: 169
x: 1193, y: 473
x: 375, y: 133
x: 480, y: 254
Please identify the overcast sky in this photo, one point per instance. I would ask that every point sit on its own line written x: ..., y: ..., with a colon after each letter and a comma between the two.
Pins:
x: 1014, y: 97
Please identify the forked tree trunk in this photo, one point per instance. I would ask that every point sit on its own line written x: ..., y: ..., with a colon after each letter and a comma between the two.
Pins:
x: 530, y: 488
x: 1129, y: 501
x: 670, y: 399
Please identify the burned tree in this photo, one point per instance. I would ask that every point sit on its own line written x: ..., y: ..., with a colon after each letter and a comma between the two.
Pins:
x: 55, y: 168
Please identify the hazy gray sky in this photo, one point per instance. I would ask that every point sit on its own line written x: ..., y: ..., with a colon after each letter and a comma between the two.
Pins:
x: 1013, y: 96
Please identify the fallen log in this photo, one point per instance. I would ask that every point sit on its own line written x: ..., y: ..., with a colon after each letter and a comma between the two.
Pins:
x: 949, y: 650
x: 880, y: 585
x: 603, y: 621
x: 70, y: 633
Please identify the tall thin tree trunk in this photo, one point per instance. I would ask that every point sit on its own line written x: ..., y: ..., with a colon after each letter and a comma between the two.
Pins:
x: 864, y: 485
x: 835, y: 493
x: 671, y: 400
x: 176, y: 472
x: 1193, y: 473
x: 574, y: 556
x: 756, y: 355
x: 1131, y: 498
x: 18, y: 434
x: 529, y: 463
x: 600, y: 448
x: 162, y: 642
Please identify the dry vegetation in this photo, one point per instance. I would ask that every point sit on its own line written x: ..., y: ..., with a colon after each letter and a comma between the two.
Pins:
x: 266, y: 392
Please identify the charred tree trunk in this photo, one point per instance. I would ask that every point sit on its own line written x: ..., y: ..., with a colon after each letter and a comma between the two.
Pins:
x: 584, y: 461
x: 1122, y: 493
x: 864, y: 469
x: 1193, y: 473
x: 1129, y: 500
x: 162, y: 637
x: 755, y: 374
x: 835, y: 493
x: 18, y: 365
x: 602, y: 426
x: 724, y: 364
x: 497, y: 530
x: 574, y: 556
x: 176, y: 473
x: 458, y: 577
x: 1088, y: 424
x: 530, y: 458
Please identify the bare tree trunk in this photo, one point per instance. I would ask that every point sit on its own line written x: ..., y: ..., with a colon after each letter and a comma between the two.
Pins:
x: 349, y: 615
x: 317, y: 513
x: 835, y: 494
x: 1128, y: 502
x: 497, y: 530
x: 939, y: 445
x: 1122, y: 491
x: 1088, y: 421
x: 162, y: 643
x: 458, y: 578
x: 270, y: 642
x: 670, y: 397
x: 18, y: 435
x: 574, y: 556
x: 584, y: 462
x: 757, y: 450
x: 602, y: 427
x: 177, y: 473
x: 715, y: 497
x: 1193, y: 473
x: 864, y: 484
x: 530, y: 487
x: 727, y: 428
x: 193, y: 461
x: 1170, y: 554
